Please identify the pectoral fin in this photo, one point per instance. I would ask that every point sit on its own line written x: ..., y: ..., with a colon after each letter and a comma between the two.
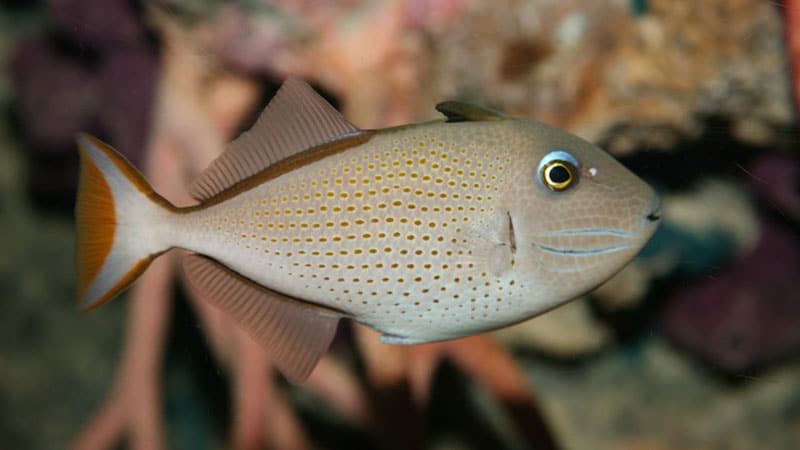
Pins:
x: 294, y: 333
x: 465, y: 112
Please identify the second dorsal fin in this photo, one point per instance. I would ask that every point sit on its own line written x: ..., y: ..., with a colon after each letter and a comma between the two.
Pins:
x: 466, y: 112
x: 296, y: 119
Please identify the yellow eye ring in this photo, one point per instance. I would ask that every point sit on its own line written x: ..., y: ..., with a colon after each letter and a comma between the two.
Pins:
x: 558, y: 175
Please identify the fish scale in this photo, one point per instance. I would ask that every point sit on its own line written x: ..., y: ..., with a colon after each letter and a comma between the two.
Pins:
x: 381, y: 232
x: 423, y: 232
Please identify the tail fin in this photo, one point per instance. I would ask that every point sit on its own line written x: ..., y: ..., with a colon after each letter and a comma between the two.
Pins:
x: 118, y: 216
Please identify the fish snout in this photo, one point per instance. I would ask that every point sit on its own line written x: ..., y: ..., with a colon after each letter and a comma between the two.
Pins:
x: 649, y: 220
x: 654, y: 214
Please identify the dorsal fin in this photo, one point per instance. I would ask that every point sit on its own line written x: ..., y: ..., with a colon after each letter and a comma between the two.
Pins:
x: 296, y: 119
x: 466, y: 112
x: 295, y: 334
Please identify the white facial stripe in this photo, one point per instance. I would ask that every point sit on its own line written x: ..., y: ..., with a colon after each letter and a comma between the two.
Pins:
x: 583, y: 252
x: 588, y: 232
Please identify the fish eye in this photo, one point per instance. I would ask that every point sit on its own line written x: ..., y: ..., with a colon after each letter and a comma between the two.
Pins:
x: 558, y: 170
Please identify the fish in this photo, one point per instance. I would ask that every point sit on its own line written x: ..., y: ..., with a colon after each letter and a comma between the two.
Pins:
x: 424, y: 232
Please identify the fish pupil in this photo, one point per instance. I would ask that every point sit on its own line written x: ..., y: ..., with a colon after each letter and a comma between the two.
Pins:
x: 559, y: 174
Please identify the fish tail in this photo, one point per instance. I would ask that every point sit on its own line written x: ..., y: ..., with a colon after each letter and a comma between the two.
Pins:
x: 119, y: 223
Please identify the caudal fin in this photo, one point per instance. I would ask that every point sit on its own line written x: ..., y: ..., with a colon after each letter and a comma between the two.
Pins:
x: 119, y: 221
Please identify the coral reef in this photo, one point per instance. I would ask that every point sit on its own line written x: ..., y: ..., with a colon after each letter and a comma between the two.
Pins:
x: 746, y: 314
x: 642, y: 80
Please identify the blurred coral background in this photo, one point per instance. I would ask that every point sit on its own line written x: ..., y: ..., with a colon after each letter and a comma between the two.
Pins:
x: 693, y: 346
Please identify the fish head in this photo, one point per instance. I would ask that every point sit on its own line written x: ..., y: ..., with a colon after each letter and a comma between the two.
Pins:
x: 577, y: 215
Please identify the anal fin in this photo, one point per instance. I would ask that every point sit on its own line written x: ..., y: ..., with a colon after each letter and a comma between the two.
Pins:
x: 294, y: 333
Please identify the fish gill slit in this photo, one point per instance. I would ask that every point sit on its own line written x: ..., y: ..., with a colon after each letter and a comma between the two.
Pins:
x: 512, y: 239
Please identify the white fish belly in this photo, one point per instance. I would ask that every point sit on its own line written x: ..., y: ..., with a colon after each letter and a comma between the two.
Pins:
x: 394, y: 232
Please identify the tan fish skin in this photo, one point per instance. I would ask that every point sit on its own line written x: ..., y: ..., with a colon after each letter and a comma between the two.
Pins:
x: 424, y: 232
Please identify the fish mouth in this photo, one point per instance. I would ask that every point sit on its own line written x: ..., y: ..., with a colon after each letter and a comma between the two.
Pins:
x: 655, y: 214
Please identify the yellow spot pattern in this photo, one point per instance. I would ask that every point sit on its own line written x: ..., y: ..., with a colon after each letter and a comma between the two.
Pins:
x: 385, y: 229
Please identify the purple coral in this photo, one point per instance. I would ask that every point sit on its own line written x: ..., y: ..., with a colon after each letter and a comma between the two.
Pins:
x: 777, y: 179
x: 99, y: 24
x: 96, y: 73
x: 128, y: 83
x: 56, y: 96
x: 748, y: 314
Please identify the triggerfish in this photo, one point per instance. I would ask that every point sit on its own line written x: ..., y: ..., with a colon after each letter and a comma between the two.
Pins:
x: 422, y: 232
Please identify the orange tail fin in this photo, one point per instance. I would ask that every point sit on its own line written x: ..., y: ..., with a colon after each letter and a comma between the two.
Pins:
x: 117, y: 213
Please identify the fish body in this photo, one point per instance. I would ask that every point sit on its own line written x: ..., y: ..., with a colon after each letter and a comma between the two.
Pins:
x: 423, y: 232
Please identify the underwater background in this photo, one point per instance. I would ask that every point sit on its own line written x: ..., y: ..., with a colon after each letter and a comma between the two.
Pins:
x: 694, y: 345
